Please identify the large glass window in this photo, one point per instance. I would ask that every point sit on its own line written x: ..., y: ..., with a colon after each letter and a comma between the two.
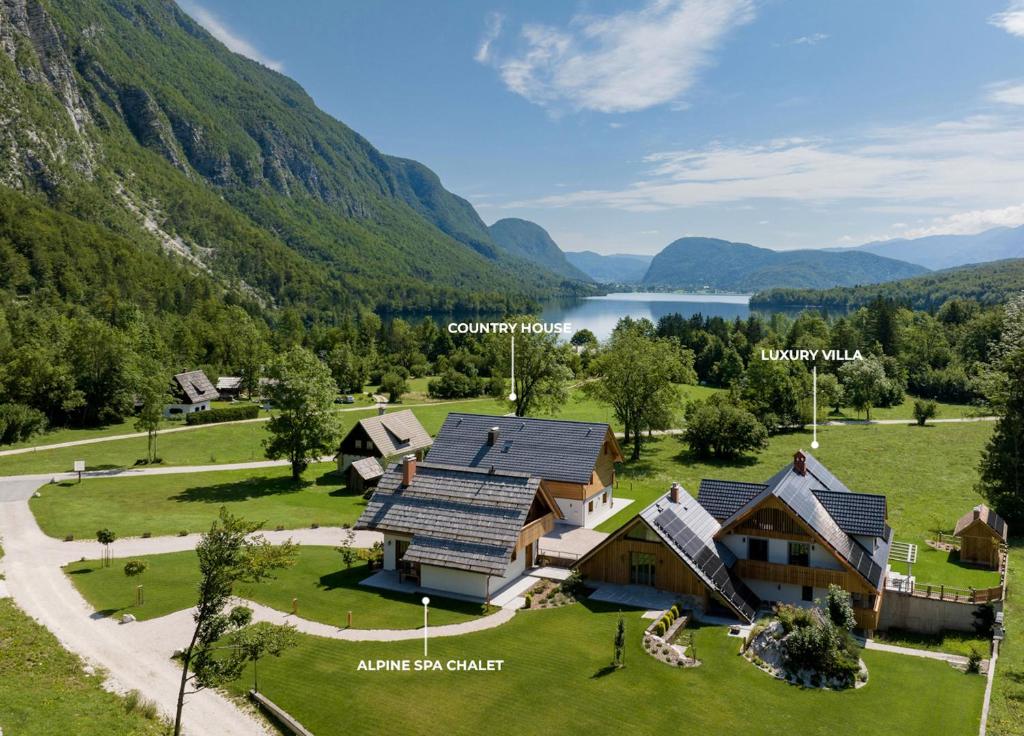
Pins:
x: 800, y: 554
x: 641, y: 568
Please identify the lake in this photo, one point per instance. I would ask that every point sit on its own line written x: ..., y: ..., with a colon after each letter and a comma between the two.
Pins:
x: 600, y: 314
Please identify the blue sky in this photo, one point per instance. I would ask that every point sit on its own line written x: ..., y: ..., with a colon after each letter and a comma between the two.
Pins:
x: 621, y: 126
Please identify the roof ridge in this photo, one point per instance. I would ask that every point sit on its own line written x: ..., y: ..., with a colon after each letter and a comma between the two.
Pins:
x: 529, y: 419
x: 497, y: 473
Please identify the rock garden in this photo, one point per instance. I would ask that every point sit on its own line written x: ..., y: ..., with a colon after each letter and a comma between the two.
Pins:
x: 668, y: 640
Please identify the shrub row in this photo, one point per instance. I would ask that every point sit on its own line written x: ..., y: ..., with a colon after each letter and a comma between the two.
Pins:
x: 226, y: 414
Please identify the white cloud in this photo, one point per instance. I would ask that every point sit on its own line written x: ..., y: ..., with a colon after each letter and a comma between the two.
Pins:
x: 968, y: 223
x: 492, y: 29
x: 623, y: 62
x: 940, y: 168
x: 1011, y: 20
x: 812, y: 40
x: 1007, y: 93
x: 228, y: 37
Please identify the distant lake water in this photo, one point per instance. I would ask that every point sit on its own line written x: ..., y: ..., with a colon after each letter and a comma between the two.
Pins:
x: 600, y: 314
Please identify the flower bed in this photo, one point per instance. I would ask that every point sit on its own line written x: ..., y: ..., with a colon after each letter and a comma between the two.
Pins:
x: 667, y: 641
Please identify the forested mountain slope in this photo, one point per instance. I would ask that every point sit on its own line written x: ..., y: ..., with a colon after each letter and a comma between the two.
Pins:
x: 530, y: 241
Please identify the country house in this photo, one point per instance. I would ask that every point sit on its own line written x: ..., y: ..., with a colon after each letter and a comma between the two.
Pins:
x: 386, y: 437
x: 190, y: 392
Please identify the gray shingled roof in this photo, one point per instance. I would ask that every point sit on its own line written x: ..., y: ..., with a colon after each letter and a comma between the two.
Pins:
x: 723, y: 498
x: 458, y: 518
x: 396, y: 433
x: 689, y: 530
x: 856, y: 513
x: 193, y: 387
x: 990, y: 517
x: 547, y: 448
x: 229, y: 383
x: 798, y: 493
x: 368, y: 468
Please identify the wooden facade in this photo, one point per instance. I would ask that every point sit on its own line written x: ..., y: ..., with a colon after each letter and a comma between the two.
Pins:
x: 612, y: 563
x: 601, y: 477
x: 815, y: 577
x: 980, y: 545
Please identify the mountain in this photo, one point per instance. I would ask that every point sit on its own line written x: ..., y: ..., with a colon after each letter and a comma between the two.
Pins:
x: 986, y: 283
x: 531, y: 242
x: 620, y: 268
x: 709, y: 263
x: 947, y: 251
x: 130, y: 117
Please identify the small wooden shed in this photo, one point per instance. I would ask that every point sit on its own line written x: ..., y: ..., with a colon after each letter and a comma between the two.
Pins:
x: 364, y: 474
x: 982, y: 532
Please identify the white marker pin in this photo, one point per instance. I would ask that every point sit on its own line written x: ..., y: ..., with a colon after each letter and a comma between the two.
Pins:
x: 426, y: 603
x: 814, y: 423
x: 512, y: 394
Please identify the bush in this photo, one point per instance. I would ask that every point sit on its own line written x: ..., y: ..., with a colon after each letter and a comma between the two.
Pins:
x: 394, y: 385
x: 660, y: 628
x: 19, y: 422
x: 183, y: 532
x: 925, y: 409
x: 718, y: 427
x: 135, y: 567
x: 840, y: 608
x: 572, y: 585
x: 529, y: 600
x: 974, y: 660
x: 820, y: 647
x: 454, y: 385
x: 226, y: 414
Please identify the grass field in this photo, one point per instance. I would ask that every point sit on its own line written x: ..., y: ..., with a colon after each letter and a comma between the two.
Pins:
x: 168, y: 504
x: 951, y: 642
x: 927, y: 473
x: 905, y: 410
x: 1006, y: 717
x: 45, y: 692
x: 555, y: 680
x: 325, y: 589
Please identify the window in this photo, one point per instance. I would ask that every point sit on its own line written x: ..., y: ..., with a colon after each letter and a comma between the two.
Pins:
x: 800, y: 554
x: 807, y: 594
x: 359, y: 444
x: 642, y: 533
x: 514, y: 554
x: 757, y: 549
x: 641, y: 568
x: 590, y: 505
x: 604, y: 497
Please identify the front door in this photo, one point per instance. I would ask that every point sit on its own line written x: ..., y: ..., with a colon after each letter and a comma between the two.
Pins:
x: 529, y: 556
x: 641, y: 568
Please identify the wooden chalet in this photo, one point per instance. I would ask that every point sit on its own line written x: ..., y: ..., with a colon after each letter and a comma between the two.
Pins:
x: 462, y: 531
x: 575, y: 461
x: 982, y: 535
x: 191, y: 391
x: 364, y: 474
x: 738, y: 547
x: 385, y: 437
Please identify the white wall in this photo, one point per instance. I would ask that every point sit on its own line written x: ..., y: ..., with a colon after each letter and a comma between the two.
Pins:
x: 575, y: 512
x: 177, y: 410
x: 389, y: 552
x: 768, y: 591
x: 460, y: 582
x: 778, y: 551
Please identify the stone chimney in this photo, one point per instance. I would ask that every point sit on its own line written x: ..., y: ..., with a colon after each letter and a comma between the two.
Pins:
x: 408, y: 469
x: 381, y: 408
x: 492, y: 436
x: 800, y: 462
x: 673, y: 493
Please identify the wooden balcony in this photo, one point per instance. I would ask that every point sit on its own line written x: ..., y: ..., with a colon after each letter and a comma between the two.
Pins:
x: 535, y: 530
x: 816, y: 577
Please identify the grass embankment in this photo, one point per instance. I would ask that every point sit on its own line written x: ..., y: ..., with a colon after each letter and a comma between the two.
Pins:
x: 927, y: 474
x: 169, y: 504
x: 907, y: 695
x: 325, y: 589
x: 1006, y: 717
x: 45, y: 692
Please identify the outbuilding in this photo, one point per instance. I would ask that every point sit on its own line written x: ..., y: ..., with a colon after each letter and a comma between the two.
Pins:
x: 982, y: 535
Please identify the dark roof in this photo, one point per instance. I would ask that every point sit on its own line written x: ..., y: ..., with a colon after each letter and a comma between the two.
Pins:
x: 798, y: 492
x: 689, y: 530
x: 193, y: 387
x: 546, y: 448
x: 458, y: 518
x: 983, y: 513
x: 723, y: 498
x: 856, y: 513
x: 368, y: 468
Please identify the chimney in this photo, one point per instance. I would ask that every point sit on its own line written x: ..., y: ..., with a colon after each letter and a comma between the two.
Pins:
x: 977, y: 511
x: 800, y: 462
x: 492, y: 436
x: 380, y: 410
x: 673, y: 493
x: 408, y: 469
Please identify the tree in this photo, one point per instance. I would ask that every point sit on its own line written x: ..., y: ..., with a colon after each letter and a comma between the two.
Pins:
x: 228, y: 555
x: 718, y: 426
x: 106, y: 538
x: 775, y: 391
x: 620, y: 643
x: 152, y: 396
x: 349, y: 553
x: 636, y: 375
x: 394, y: 385
x: 864, y: 383
x: 830, y: 393
x: 263, y: 639
x: 303, y: 426
x: 1002, y: 461
x: 541, y: 368
x: 840, y: 608
x: 349, y: 369
x: 924, y: 409
x: 583, y: 339
x: 132, y: 569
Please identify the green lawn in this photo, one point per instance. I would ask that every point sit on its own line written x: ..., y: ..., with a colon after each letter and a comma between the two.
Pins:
x: 554, y: 680
x: 167, y: 504
x: 1006, y: 717
x: 952, y: 642
x: 905, y: 410
x: 326, y: 591
x: 46, y: 693
x: 927, y: 473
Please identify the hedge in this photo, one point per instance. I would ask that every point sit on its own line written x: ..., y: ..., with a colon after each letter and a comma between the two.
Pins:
x: 227, y: 414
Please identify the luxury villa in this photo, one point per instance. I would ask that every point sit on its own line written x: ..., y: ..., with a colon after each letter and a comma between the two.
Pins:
x: 574, y: 461
x: 739, y: 547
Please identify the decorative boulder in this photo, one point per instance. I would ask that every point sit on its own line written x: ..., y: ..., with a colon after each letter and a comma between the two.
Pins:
x: 127, y: 618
